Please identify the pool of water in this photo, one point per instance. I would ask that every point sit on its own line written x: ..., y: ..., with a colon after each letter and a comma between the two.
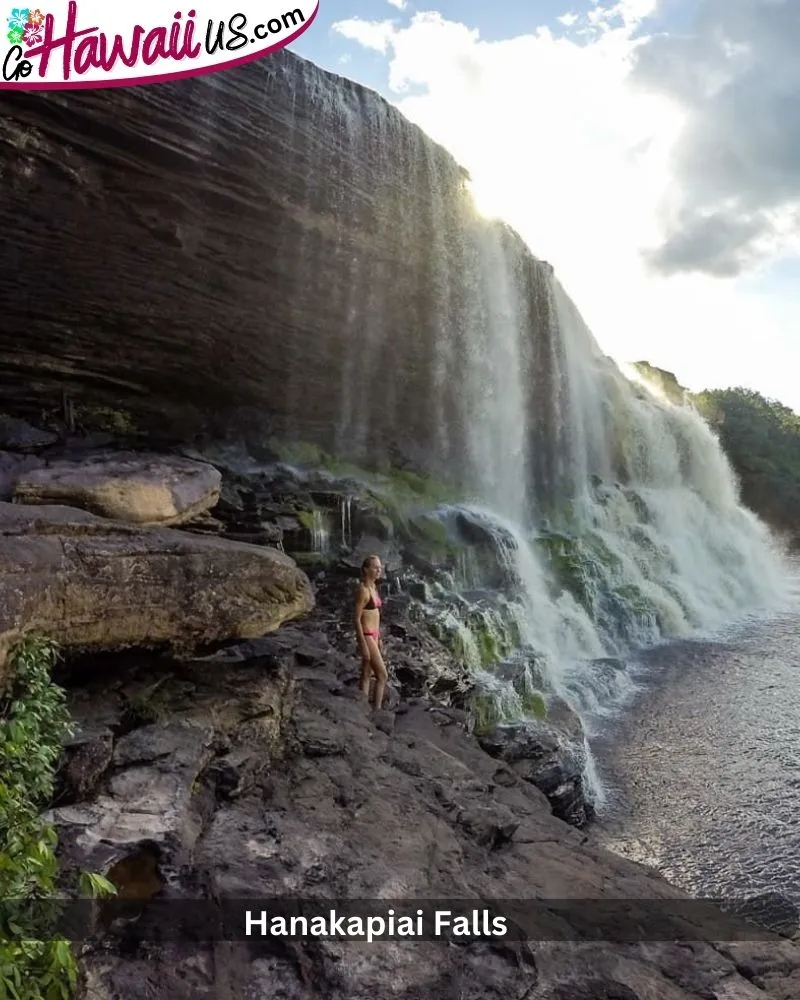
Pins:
x: 702, y: 769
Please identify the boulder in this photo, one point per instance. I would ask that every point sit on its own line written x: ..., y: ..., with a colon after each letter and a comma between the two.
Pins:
x: 548, y: 758
x: 89, y: 582
x: 84, y: 761
x: 139, y: 488
x: 12, y: 467
x: 19, y: 435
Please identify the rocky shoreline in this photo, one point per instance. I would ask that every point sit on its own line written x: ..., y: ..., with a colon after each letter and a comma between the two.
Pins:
x: 225, y: 750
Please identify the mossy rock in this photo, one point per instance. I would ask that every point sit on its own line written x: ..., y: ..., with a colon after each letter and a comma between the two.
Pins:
x: 630, y: 600
x: 639, y: 505
x: 572, y: 570
x: 428, y: 528
x: 297, y: 452
x: 105, y: 418
x: 533, y: 704
x: 485, y: 713
x: 307, y: 519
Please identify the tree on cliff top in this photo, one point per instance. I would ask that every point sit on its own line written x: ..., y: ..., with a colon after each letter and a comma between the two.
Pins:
x: 762, y: 440
x: 760, y: 436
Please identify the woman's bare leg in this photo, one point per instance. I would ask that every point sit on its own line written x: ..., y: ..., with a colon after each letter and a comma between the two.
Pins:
x: 380, y: 671
x: 366, y: 676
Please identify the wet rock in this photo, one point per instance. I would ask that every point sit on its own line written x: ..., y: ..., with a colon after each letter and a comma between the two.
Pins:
x: 375, y: 525
x: 148, y: 799
x: 419, y: 590
x: 12, y: 467
x: 19, y: 435
x: 542, y: 755
x: 136, y: 488
x: 89, y: 582
x: 368, y: 545
x: 85, y: 759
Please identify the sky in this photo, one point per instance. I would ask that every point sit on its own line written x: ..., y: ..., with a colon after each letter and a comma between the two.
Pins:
x: 649, y: 149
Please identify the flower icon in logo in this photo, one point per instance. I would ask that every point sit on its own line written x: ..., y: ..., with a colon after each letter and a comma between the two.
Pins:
x: 33, y: 34
x: 19, y: 17
x: 25, y: 26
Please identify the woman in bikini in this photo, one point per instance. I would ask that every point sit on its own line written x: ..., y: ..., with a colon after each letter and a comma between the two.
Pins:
x: 368, y: 630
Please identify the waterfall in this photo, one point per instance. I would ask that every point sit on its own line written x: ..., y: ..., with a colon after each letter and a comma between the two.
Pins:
x: 636, y: 531
x: 320, y: 533
x: 614, y: 513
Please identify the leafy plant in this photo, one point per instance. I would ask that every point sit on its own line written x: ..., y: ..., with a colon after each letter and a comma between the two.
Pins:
x: 34, y: 722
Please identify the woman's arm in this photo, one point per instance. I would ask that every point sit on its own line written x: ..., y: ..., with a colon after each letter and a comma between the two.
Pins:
x: 362, y: 596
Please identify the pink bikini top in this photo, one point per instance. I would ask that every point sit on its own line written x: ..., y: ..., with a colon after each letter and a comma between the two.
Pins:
x: 373, y: 603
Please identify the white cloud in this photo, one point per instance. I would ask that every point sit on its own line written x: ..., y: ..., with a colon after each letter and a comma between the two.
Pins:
x: 569, y: 20
x: 400, y: 4
x: 736, y: 76
x: 561, y: 143
x: 374, y: 35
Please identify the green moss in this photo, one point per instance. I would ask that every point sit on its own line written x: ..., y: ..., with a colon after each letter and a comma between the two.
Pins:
x: 104, y: 418
x: 430, y: 529
x: 147, y: 706
x: 307, y: 519
x: 639, y: 602
x: 496, y: 635
x: 297, y: 452
x: 488, y: 647
x: 533, y: 704
x: 485, y: 713
x: 569, y: 565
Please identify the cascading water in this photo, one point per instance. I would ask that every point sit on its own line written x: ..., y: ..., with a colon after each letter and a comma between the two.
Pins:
x: 346, y: 520
x: 635, y: 532
x: 612, y: 516
x: 320, y: 533
x: 638, y: 535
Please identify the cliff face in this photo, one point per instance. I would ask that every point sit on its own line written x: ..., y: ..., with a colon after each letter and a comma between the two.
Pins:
x: 272, y: 240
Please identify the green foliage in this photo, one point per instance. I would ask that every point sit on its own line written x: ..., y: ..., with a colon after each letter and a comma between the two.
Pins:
x: 94, y: 886
x: 762, y: 440
x: 34, y: 722
x: 307, y: 519
x: 105, y: 418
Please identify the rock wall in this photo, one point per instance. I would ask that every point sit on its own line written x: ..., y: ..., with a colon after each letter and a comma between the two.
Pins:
x: 273, y: 242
